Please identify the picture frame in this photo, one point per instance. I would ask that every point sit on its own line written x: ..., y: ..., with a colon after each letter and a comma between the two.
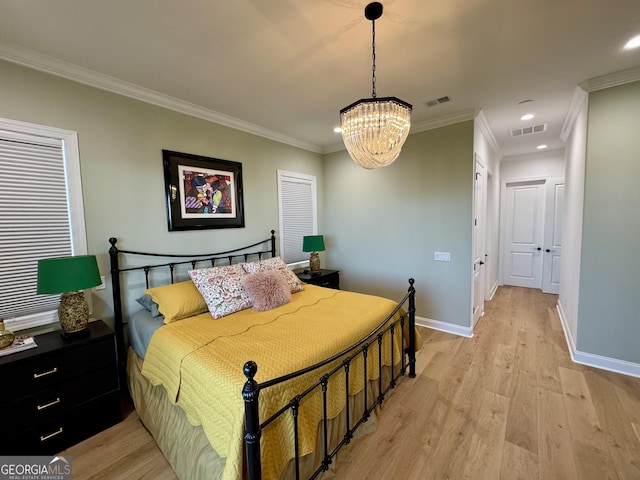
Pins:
x: 202, y: 192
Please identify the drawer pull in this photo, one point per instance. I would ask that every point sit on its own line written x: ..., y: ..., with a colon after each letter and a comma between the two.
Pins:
x: 47, y: 437
x: 44, y: 374
x: 50, y: 404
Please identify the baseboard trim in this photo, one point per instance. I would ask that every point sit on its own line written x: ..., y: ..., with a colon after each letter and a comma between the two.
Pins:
x: 493, y: 291
x: 592, y: 360
x: 444, y: 327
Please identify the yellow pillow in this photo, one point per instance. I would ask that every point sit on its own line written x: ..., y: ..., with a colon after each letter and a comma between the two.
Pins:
x: 178, y: 300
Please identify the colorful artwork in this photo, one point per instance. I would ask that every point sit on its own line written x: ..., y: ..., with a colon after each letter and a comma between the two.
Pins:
x: 202, y: 192
x: 206, y: 192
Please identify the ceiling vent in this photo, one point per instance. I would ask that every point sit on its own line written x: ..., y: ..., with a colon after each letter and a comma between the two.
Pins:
x: 438, y: 101
x: 530, y: 130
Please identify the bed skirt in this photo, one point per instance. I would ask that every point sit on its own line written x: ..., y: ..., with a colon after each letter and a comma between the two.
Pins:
x: 186, y: 447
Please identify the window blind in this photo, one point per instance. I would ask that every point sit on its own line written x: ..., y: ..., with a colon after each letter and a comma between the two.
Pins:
x: 34, y: 219
x: 298, y: 214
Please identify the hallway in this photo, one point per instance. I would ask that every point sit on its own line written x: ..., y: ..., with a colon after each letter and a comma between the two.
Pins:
x: 506, y: 404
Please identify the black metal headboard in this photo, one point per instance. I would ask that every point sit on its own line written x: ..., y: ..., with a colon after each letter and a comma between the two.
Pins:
x: 258, y: 250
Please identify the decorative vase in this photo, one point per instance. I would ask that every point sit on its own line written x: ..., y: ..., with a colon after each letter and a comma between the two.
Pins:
x: 6, y: 337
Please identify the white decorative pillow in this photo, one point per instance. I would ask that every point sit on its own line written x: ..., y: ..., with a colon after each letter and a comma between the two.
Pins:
x: 275, y: 263
x: 221, y: 288
x: 268, y: 289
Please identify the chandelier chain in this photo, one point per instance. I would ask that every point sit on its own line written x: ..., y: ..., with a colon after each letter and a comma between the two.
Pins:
x: 373, y: 58
x: 373, y: 129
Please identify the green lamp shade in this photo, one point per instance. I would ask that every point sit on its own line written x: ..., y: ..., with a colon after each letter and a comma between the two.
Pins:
x: 313, y: 243
x: 67, y: 274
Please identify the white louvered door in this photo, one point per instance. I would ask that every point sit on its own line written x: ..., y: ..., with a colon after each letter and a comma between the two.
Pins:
x: 298, y: 213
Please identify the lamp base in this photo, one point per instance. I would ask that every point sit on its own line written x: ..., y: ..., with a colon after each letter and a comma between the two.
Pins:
x: 75, y: 335
x: 73, y: 313
x: 314, y: 262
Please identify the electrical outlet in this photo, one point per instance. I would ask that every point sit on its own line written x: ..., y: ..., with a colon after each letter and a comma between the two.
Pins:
x: 442, y: 256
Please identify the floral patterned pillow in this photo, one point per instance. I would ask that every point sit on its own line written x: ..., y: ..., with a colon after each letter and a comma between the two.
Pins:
x: 275, y: 263
x: 221, y: 288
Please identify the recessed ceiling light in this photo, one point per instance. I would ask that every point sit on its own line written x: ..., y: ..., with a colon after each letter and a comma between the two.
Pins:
x: 337, y: 130
x: 633, y: 43
x: 527, y: 116
x: 541, y: 147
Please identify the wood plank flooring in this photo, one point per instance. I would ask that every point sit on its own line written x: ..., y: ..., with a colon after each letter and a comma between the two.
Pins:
x: 506, y: 404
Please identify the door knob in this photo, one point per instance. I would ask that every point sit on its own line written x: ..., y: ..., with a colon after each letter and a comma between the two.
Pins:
x: 547, y: 250
x: 481, y: 262
x: 539, y: 248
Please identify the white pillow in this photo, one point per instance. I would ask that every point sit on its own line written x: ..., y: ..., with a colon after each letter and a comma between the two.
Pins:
x: 221, y: 288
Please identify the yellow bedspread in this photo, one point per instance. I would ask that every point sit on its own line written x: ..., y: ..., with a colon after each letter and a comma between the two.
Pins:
x: 199, y: 362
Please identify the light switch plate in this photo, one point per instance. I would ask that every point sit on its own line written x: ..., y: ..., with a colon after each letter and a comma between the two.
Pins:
x: 442, y: 256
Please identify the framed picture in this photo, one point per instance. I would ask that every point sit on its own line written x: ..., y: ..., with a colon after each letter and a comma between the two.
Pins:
x: 202, y: 192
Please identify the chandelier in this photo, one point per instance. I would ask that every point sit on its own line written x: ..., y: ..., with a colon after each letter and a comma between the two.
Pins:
x: 374, y: 129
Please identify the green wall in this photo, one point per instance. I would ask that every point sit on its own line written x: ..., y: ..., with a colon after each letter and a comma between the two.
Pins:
x: 121, y: 142
x: 609, y: 303
x: 383, y: 226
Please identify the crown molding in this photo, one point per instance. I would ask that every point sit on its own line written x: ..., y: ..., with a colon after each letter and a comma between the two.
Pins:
x: 579, y: 97
x: 51, y: 65
x: 423, y: 126
x: 485, y: 129
x: 611, y: 80
x: 443, y: 121
x: 336, y: 147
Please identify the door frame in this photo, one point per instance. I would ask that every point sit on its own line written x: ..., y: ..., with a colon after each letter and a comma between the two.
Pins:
x: 478, y: 237
x: 550, y: 224
x: 503, y: 213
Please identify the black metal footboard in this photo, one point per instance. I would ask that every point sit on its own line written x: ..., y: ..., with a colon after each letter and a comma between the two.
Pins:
x: 251, y: 391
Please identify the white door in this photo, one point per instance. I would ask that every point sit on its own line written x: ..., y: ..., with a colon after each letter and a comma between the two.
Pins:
x: 524, y: 227
x: 554, y: 208
x: 479, y: 241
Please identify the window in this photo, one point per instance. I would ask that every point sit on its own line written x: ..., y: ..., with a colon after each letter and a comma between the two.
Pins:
x: 41, y: 215
x: 298, y: 215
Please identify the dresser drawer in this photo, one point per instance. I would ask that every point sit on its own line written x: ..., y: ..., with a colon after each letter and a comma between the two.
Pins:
x: 331, y: 280
x: 60, y: 392
x: 60, y: 432
x: 323, y: 278
x: 46, y: 370
x: 48, y: 403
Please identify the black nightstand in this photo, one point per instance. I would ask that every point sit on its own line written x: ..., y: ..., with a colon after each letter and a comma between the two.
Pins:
x: 60, y: 392
x: 326, y: 278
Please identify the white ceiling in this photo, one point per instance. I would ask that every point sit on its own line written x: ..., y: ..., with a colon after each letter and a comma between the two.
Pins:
x: 284, y: 68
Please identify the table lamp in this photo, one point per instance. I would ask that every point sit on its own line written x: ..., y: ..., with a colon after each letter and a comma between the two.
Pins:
x: 69, y: 276
x: 313, y: 244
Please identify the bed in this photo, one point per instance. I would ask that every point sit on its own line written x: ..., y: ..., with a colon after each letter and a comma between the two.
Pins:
x: 235, y: 382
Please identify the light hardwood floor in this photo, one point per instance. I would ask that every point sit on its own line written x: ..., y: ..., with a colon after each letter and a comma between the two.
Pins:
x: 506, y: 404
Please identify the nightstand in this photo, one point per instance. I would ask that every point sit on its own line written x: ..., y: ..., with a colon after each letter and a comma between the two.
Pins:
x: 59, y: 393
x: 326, y: 278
